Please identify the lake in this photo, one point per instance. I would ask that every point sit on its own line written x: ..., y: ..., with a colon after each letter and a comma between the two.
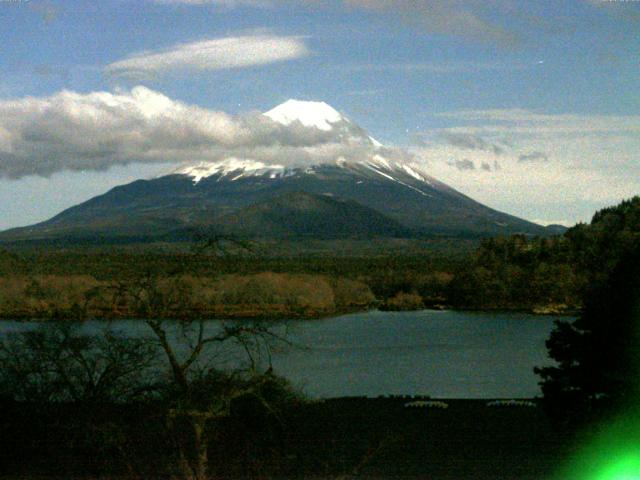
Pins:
x: 444, y: 354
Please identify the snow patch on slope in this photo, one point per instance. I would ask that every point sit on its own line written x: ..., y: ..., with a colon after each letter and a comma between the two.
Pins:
x: 412, y: 172
x: 375, y: 142
x: 376, y: 168
x: 225, y: 167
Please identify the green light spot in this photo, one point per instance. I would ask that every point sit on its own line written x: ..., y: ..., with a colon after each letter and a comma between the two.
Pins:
x: 609, y: 451
x: 627, y: 468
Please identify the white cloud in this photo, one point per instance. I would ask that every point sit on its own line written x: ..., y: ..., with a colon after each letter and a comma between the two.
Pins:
x: 546, y: 161
x: 216, y: 54
x: 94, y: 131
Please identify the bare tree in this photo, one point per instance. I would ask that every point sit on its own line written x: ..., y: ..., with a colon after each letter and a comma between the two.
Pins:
x: 202, y: 381
x: 57, y: 362
x: 202, y: 391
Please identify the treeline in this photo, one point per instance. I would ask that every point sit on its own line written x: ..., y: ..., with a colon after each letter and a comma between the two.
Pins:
x: 79, y: 285
x: 198, y: 260
x: 514, y: 272
x: 257, y: 295
x: 543, y: 275
x: 261, y: 295
x: 547, y: 274
x: 597, y: 354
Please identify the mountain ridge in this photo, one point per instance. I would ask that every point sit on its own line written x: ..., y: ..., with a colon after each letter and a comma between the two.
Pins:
x: 398, y: 196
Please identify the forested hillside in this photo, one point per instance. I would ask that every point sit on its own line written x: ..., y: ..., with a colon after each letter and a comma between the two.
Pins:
x: 547, y: 274
x: 540, y: 274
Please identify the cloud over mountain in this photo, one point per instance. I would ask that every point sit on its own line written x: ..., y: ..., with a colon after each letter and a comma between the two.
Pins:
x: 94, y: 131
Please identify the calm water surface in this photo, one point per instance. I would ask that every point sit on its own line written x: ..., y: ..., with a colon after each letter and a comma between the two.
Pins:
x: 437, y: 353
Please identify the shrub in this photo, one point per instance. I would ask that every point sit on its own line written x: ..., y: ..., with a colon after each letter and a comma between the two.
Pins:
x: 404, y: 301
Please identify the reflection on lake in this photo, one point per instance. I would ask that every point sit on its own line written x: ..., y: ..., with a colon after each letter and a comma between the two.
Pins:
x: 444, y: 354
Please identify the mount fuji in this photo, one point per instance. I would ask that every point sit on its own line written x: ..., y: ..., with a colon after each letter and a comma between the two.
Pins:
x: 367, y: 191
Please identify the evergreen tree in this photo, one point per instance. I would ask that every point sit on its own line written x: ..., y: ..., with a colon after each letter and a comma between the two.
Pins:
x: 598, y: 354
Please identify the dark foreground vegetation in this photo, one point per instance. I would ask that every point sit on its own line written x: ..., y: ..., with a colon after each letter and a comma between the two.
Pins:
x: 80, y: 405
x: 341, y: 438
x: 593, y: 390
x: 228, y: 278
x: 598, y: 354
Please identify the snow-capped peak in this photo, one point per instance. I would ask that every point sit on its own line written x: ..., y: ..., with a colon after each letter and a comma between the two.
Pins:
x: 309, y: 114
x: 371, y: 156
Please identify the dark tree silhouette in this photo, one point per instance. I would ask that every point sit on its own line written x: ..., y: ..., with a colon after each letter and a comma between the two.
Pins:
x: 598, y: 354
x: 57, y: 362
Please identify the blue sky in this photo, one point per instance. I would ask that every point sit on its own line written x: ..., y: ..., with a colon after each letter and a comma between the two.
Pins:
x: 530, y: 107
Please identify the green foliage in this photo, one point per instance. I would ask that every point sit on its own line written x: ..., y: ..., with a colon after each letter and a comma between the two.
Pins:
x: 404, y: 301
x: 598, y: 354
x: 547, y: 273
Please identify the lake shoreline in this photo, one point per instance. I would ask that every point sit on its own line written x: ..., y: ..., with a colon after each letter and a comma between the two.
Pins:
x: 278, y: 317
